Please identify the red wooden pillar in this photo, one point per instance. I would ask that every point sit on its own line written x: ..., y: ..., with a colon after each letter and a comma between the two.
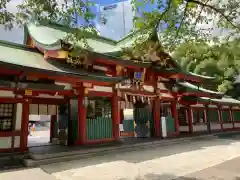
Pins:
x: 82, y: 112
x: 175, y: 116
x: 231, y: 117
x: 157, y: 118
x: 190, y: 122
x: 115, y: 117
x: 220, y: 117
x: 24, y: 126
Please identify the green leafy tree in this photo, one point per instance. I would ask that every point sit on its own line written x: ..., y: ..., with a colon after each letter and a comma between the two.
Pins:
x: 220, y: 61
x: 178, y: 20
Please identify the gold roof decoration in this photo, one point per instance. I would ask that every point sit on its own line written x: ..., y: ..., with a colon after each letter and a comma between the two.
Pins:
x: 147, y: 50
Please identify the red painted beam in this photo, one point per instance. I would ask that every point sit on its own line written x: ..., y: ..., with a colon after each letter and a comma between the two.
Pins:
x: 68, y: 79
x: 100, y: 93
x: 138, y: 92
x: 49, y: 101
x: 10, y: 133
x: 113, y: 62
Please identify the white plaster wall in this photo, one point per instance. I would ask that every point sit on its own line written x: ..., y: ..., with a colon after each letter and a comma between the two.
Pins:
x: 200, y: 127
x: 215, y: 126
x: 49, y: 96
x: 235, y: 107
x: 101, y: 88
x: 237, y: 125
x: 197, y: 105
x: 6, y: 94
x: 225, y: 107
x: 225, y: 126
x: 148, y: 88
x: 19, y: 116
x: 5, y: 142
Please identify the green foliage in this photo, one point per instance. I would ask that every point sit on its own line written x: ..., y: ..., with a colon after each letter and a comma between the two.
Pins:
x: 178, y: 20
x: 221, y: 61
x: 52, y: 11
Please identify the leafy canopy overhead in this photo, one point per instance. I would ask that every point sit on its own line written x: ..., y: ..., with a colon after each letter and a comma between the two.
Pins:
x: 178, y: 20
x: 221, y: 61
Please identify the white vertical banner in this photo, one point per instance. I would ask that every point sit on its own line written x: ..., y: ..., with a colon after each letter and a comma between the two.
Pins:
x: 164, y: 126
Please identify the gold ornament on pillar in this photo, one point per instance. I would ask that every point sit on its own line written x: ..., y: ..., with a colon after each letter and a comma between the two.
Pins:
x: 86, y: 91
x: 119, y: 70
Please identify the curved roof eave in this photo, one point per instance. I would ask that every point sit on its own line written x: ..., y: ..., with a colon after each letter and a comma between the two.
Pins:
x: 23, y: 57
x: 201, y: 76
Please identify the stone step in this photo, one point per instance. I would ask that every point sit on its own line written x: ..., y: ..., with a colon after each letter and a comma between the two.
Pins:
x: 38, y: 159
x: 49, y: 155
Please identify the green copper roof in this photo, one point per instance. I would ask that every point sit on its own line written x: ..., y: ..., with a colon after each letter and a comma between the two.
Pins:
x: 23, y: 57
x: 224, y: 100
x: 201, y: 76
x: 196, y: 88
x: 49, y: 36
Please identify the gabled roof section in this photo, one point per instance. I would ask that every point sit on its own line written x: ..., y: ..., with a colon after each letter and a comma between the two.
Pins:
x: 49, y: 36
x: 202, y: 76
x: 27, y: 59
x: 191, y: 87
x: 224, y: 100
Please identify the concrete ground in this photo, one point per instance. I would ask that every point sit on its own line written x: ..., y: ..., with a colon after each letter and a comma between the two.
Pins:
x: 201, y: 159
x: 39, y: 138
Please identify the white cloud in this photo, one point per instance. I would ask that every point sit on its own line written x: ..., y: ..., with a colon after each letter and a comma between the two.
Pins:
x: 16, y: 34
x: 116, y: 18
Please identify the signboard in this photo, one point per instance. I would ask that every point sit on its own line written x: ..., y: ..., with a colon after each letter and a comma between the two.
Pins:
x: 28, y: 92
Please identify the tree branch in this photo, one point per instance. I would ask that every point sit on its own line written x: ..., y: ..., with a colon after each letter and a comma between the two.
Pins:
x: 163, y: 13
x: 214, y: 9
x: 200, y: 12
x: 183, y: 18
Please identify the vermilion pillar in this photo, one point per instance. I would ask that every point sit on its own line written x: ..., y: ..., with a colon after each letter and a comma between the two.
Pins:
x: 82, y: 112
x: 24, y: 126
x: 115, y: 117
x: 157, y: 117
x: 190, y: 122
x: 175, y: 116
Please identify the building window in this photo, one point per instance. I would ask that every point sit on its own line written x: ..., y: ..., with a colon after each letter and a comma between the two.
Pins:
x: 99, y: 107
x: 6, y: 117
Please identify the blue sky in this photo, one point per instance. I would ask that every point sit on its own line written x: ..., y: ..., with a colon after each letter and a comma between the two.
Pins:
x: 113, y: 29
x: 110, y: 30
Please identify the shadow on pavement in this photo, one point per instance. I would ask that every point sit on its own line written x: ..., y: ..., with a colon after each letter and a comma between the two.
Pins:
x: 142, y: 154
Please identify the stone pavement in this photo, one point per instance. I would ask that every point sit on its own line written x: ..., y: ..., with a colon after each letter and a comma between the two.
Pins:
x: 164, y: 163
x: 202, y: 159
x: 26, y: 174
x: 229, y: 170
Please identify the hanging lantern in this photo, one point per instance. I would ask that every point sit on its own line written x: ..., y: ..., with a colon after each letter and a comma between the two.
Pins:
x: 149, y: 101
x: 126, y: 98
x: 134, y: 99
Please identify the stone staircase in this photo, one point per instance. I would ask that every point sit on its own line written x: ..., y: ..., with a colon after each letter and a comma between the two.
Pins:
x: 38, y: 159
